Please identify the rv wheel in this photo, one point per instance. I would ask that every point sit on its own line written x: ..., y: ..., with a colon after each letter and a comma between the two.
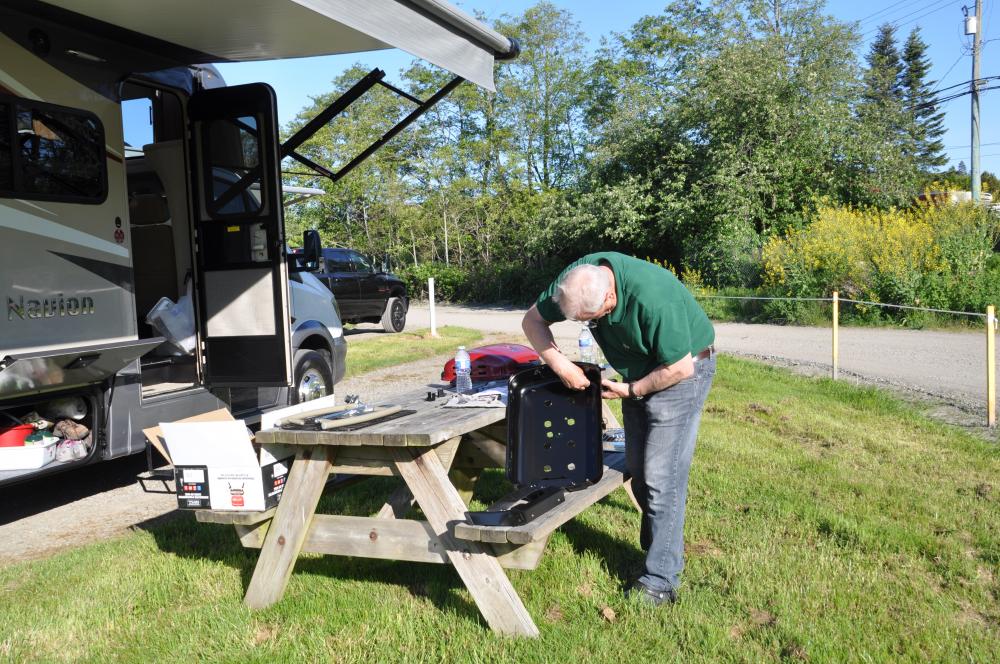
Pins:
x: 313, y: 376
x: 394, y: 316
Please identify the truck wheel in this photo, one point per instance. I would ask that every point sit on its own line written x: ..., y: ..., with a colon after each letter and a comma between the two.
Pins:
x: 394, y: 316
x: 313, y: 376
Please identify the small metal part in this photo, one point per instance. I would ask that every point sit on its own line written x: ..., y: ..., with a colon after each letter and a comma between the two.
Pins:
x: 431, y: 396
x: 440, y: 392
x: 352, y: 398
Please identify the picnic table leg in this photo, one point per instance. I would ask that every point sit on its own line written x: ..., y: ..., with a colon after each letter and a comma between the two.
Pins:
x: 400, y: 501
x: 464, y: 480
x: 397, y: 504
x: 288, y: 529
x: 487, y: 583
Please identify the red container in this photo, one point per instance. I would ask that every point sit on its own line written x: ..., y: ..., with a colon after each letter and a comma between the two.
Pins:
x: 496, y: 362
x: 14, y: 435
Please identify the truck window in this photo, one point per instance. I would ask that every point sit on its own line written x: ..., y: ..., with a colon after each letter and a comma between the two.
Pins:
x: 51, y: 153
x: 337, y: 261
x: 361, y: 263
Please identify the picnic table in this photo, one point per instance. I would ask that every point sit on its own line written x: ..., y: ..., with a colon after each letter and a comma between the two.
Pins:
x: 439, y: 453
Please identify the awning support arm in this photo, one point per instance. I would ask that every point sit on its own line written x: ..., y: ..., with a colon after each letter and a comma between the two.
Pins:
x: 400, y: 126
x: 331, y: 111
x: 373, y: 78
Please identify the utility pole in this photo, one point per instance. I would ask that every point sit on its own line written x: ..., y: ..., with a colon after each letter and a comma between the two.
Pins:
x: 977, y: 48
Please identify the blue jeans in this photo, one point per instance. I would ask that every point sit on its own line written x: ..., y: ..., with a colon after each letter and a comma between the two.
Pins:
x: 660, y: 433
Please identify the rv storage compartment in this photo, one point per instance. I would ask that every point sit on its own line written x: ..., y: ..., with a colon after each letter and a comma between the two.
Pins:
x: 62, y: 432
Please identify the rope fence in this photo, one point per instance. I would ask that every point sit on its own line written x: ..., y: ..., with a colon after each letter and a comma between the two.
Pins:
x: 989, y: 317
x: 843, y: 299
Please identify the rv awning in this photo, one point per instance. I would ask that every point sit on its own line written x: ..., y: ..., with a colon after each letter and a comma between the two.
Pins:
x: 242, y: 30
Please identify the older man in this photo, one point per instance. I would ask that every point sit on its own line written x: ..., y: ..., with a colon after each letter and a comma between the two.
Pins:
x: 657, y: 337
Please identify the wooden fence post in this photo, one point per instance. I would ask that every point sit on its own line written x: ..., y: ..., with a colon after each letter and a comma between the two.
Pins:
x: 430, y: 298
x: 836, y: 334
x: 991, y: 374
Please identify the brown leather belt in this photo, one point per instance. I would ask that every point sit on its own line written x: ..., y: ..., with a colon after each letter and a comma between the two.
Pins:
x: 705, y: 354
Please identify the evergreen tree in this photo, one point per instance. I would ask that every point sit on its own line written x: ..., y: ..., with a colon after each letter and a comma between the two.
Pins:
x: 892, y: 175
x: 926, y: 122
x: 883, y: 79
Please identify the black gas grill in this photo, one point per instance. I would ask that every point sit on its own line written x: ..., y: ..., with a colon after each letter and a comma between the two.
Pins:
x: 553, y: 442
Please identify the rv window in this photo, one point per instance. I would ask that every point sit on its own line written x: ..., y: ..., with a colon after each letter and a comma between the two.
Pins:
x: 137, y: 123
x: 234, y: 157
x: 58, y: 154
x: 6, y: 168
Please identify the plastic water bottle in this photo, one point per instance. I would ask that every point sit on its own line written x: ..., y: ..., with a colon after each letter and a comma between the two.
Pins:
x: 586, y: 341
x: 463, y: 371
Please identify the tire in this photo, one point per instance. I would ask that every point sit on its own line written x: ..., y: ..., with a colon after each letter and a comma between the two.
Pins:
x: 394, y: 316
x: 313, y: 376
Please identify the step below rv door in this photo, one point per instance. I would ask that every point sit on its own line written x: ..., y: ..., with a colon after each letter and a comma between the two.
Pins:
x: 240, y: 246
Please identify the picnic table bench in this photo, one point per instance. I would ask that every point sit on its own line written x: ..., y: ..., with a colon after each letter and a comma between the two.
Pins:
x: 439, y: 453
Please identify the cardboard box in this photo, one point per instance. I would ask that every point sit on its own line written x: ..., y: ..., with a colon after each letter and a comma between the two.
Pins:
x: 215, y: 467
x: 155, y: 434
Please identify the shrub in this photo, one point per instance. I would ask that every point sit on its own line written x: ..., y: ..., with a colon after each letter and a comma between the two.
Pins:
x: 927, y: 256
x: 494, y: 282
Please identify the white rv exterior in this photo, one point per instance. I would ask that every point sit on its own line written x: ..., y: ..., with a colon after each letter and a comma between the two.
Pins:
x: 94, y: 232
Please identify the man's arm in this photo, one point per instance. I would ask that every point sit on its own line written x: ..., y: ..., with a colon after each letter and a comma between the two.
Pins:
x: 539, y: 335
x: 658, y: 379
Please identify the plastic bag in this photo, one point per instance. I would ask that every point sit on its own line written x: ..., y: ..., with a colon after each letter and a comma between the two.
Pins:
x: 175, y: 321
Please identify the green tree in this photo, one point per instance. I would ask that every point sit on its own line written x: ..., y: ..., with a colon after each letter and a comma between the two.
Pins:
x: 543, y: 90
x: 926, y: 121
x: 890, y: 176
x: 751, y: 120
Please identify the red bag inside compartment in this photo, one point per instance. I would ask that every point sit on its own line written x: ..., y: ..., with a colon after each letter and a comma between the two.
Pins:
x: 496, y: 362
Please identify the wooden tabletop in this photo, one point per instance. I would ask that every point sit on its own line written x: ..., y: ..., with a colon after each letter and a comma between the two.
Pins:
x: 431, y: 424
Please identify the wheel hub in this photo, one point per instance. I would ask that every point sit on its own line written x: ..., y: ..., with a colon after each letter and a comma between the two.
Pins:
x: 311, y: 385
x: 398, y: 315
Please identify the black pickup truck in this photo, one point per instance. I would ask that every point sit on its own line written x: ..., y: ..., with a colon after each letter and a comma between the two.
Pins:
x: 364, y: 294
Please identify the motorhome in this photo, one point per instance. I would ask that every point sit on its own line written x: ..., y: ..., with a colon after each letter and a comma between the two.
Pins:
x: 95, y: 233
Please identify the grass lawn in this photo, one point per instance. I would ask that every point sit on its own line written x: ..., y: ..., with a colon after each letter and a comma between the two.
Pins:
x: 825, y: 523
x: 370, y: 354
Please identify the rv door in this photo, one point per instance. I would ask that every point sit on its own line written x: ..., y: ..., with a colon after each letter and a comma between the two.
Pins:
x: 240, y: 245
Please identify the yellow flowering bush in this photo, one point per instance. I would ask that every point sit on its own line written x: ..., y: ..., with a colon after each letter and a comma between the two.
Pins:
x: 929, y: 255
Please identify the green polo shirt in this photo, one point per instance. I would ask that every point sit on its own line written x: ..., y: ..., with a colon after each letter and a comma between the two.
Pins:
x: 655, y: 322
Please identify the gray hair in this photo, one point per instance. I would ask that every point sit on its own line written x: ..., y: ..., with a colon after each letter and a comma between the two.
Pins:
x: 582, y: 291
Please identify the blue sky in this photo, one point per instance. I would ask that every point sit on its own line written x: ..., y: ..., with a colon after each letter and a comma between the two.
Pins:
x: 940, y: 21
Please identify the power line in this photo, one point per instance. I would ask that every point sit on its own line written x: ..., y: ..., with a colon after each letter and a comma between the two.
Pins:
x: 882, y: 11
x: 943, y: 78
x: 894, y: 20
x: 956, y: 147
x: 919, y: 9
x: 898, y: 23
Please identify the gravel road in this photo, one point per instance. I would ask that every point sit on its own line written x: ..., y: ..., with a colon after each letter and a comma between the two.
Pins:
x: 950, y: 365
x: 103, y: 501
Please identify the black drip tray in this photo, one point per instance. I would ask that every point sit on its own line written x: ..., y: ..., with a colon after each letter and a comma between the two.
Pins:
x: 553, y: 432
x: 529, y: 508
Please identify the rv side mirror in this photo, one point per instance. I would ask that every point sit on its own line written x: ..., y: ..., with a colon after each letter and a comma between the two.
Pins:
x: 310, y: 250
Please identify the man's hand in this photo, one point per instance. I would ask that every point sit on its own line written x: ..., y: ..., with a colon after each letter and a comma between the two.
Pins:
x: 613, y: 390
x: 537, y: 330
x: 571, y: 375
